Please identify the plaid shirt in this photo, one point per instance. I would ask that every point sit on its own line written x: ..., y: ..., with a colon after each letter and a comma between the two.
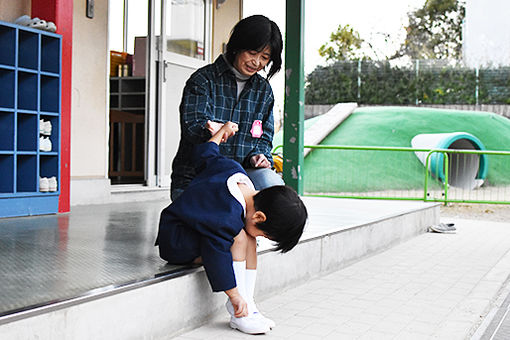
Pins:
x: 211, y: 94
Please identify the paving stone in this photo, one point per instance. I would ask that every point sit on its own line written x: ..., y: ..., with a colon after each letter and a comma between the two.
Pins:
x: 432, y: 286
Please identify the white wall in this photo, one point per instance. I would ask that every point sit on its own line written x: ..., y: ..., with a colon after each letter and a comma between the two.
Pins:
x: 487, y: 33
x: 89, y: 105
x: 89, y: 97
x: 10, y: 10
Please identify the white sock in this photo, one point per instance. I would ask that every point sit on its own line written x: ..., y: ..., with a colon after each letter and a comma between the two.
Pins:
x: 251, y: 278
x: 240, y: 274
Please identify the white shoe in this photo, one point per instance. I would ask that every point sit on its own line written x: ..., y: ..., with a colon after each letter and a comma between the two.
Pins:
x: 253, y: 312
x: 51, y: 27
x: 52, y: 184
x: 42, y: 124
x: 249, y: 325
x: 267, y: 321
x: 43, y: 184
x: 23, y: 20
x: 44, y: 144
x: 37, y: 23
x: 45, y: 127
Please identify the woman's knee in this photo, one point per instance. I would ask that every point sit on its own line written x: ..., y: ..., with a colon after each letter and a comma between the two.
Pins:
x: 263, y: 178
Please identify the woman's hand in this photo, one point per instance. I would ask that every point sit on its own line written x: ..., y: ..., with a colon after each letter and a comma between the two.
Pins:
x: 260, y: 161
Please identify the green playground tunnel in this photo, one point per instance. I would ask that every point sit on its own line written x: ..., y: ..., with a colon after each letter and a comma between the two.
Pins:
x: 465, y: 170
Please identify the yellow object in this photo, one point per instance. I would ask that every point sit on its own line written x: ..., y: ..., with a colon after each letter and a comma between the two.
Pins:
x: 278, y: 163
x: 116, y: 59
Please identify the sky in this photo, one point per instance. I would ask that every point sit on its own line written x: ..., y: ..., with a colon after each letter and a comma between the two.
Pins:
x: 373, y: 19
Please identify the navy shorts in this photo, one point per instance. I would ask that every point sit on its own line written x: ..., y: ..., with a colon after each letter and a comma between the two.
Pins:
x: 178, y: 245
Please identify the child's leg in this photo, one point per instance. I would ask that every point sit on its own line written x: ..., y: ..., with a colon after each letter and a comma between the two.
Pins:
x: 239, y: 246
x: 240, y: 257
x: 238, y: 251
x: 251, y: 270
x: 251, y: 278
x: 251, y: 252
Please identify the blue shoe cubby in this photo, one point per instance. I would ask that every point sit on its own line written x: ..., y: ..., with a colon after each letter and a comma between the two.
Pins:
x: 28, y: 50
x: 7, y: 89
x: 26, y: 132
x: 7, y: 171
x: 8, y: 44
x: 6, y: 131
x: 30, y: 95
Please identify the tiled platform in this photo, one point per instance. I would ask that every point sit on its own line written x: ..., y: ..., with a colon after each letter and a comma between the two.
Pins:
x: 51, y: 264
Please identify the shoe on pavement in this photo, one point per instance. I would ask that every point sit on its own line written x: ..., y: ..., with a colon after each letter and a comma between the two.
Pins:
x: 267, y: 321
x: 249, y: 325
x: 443, y: 228
x: 253, y: 312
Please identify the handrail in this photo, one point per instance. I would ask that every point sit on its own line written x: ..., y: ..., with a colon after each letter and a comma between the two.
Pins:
x: 446, y: 164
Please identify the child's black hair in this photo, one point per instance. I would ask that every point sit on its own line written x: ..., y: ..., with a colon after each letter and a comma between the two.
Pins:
x: 285, y: 215
x: 254, y: 33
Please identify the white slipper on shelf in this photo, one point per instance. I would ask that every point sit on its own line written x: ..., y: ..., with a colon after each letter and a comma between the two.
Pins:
x: 37, y: 23
x: 51, y: 27
x: 23, y: 20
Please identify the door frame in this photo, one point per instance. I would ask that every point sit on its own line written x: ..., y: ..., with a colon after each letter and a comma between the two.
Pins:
x: 159, y: 59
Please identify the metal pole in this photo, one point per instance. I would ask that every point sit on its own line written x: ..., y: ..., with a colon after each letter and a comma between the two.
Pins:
x: 359, y: 80
x: 477, y: 74
x: 417, y: 93
x: 125, y: 28
x: 293, y: 123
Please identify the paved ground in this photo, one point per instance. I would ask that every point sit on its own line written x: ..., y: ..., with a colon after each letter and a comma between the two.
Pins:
x: 485, y: 212
x: 439, y: 286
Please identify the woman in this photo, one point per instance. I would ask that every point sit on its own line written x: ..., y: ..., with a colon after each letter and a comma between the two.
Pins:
x: 231, y: 89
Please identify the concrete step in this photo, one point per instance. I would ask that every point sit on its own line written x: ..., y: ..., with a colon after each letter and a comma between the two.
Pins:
x: 339, y: 232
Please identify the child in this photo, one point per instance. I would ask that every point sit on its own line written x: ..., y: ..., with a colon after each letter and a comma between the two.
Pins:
x: 216, y: 220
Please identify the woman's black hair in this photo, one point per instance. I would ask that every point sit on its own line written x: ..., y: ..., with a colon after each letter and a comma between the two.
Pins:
x: 254, y: 33
x: 285, y: 215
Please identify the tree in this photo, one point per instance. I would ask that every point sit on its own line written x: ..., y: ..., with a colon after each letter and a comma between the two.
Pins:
x: 344, y: 44
x: 434, y: 31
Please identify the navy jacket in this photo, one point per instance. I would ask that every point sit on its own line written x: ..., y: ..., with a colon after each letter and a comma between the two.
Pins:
x: 208, y: 209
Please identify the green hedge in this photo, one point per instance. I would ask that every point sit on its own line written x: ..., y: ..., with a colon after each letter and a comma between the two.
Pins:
x: 422, y: 82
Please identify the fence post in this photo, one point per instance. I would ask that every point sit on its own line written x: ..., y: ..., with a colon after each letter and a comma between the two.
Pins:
x: 417, y: 81
x: 293, y: 123
x: 477, y: 73
x: 359, y: 80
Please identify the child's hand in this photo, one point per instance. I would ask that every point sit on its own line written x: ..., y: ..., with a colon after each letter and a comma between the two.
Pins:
x: 213, y: 127
x: 225, y: 132
x: 228, y: 130
x: 240, y: 306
